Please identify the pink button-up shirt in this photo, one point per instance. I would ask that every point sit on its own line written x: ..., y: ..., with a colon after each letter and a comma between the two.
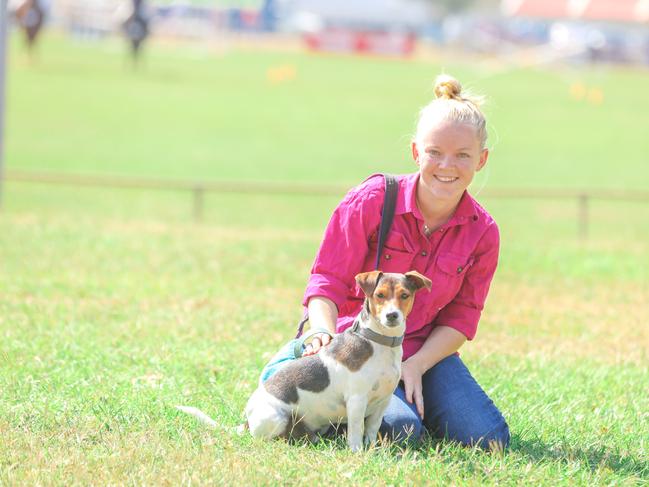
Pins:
x: 460, y: 258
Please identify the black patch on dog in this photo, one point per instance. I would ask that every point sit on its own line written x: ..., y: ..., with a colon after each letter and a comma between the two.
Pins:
x: 350, y: 349
x: 307, y: 373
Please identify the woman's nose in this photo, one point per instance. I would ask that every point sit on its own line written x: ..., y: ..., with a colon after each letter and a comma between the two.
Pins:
x: 445, y: 161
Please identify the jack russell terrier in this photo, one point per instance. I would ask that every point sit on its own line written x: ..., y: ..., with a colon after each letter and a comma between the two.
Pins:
x: 349, y: 381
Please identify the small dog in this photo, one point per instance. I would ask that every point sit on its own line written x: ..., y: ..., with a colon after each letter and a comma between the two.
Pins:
x: 349, y: 381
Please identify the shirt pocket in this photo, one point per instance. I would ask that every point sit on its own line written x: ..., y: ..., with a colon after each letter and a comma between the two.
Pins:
x: 453, y: 265
x: 397, y: 255
x: 448, y: 274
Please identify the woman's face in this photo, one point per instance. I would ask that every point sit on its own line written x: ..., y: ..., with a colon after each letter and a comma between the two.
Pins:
x: 448, y: 155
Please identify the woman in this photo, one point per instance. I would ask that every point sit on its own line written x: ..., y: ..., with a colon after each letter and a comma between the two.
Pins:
x: 440, y: 231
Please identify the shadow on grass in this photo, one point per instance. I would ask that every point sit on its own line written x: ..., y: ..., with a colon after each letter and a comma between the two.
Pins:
x: 537, y: 451
x: 592, y: 457
x: 521, y: 451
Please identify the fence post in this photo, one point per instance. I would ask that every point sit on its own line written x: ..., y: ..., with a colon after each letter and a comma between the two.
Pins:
x: 583, y: 216
x: 4, y: 23
x: 198, y: 202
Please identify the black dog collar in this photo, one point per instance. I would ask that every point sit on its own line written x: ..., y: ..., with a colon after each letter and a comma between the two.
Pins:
x: 376, y: 337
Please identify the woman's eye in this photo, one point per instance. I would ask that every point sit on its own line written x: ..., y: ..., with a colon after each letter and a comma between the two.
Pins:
x: 433, y: 153
x: 464, y: 155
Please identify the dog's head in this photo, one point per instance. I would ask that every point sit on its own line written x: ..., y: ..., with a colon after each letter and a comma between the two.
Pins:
x: 390, y: 296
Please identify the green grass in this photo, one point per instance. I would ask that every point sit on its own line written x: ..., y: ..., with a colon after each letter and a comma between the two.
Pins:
x: 205, y: 112
x: 114, y: 306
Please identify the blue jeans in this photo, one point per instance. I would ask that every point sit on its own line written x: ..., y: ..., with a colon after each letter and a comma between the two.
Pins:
x: 455, y: 408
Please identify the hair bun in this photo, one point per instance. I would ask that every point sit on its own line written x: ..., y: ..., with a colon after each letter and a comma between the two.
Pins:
x: 447, y: 87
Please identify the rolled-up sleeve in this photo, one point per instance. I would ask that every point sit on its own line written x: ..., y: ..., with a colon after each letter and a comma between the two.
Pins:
x: 344, y: 246
x: 463, y: 312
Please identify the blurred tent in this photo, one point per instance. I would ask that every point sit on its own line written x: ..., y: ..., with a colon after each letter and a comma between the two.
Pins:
x: 311, y: 15
x: 591, y: 30
x: 91, y: 18
x: 592, y: 10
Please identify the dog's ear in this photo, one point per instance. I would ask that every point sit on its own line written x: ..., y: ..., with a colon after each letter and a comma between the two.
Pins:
x: 367, y: 281
x: 417, y: 281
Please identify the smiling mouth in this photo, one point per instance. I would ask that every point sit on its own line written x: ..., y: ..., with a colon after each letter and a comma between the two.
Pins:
x: 446, y: 179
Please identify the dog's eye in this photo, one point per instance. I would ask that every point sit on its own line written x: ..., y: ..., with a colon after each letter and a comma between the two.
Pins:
x: 380, y: 295
x: 405, y: 296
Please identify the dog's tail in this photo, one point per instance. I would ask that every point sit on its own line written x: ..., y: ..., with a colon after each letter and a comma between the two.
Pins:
x: 205, y: 419
x: 200, y: 415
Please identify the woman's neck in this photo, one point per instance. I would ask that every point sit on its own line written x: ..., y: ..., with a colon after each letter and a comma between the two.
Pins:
x: 435, y: 211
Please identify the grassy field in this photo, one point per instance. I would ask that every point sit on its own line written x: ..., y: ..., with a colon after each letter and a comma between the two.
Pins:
x: 114, y: 306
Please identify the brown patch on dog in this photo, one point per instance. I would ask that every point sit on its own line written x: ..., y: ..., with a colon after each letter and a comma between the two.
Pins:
x: 415, y: 281
x: 367, y: 281
x: 307, y: 373
x: 350, y: 350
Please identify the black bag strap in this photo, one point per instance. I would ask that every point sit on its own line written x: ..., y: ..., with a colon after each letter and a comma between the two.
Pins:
x: 387, y: 215
x: 389, y: 204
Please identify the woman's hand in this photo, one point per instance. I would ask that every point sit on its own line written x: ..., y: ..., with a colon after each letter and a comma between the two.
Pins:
x: 442, y: 342
x: 411, y: 373
x: 320, y: 340
x: 322, y: 314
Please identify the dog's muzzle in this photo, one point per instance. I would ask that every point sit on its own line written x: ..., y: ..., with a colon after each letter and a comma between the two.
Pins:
x: 393, y: 318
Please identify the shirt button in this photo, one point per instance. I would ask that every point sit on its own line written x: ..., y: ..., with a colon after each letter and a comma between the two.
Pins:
x: 459, y: 269
x: 424, y: 253
x: 388, y: 256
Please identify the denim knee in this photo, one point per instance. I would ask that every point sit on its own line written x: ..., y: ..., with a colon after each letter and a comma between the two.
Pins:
x: 403, y: 430
x: 457, y: 408
x: 401, y: 422
x: 496, y: 439
x: 499, y: 436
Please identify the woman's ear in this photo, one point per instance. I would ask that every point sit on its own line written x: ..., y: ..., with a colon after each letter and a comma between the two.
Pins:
x: 415, y: 151
x: 484, y: 155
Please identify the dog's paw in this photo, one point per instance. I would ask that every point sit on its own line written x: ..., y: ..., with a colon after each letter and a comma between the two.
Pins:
x: 369, y: 441
x: 242, y: 429
x: 355, y: 448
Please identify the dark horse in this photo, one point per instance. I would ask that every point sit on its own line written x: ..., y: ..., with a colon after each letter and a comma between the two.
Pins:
x: 136, y: 28
x: 30, y: 15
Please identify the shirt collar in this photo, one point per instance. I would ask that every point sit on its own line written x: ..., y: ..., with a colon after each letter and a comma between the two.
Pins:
x: 407, y: 202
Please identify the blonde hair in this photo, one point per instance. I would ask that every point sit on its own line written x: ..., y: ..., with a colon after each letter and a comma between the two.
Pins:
x: 453, y: 105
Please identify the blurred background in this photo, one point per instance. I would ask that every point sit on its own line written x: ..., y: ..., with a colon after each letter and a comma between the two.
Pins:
x: 578, y: 30
x: 168, y: 169
x: 199, y: 105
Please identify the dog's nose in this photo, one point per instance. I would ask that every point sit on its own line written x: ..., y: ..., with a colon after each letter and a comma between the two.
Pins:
x: 392, y: 316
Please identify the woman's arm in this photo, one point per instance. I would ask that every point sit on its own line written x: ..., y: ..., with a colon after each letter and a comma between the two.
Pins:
x: 341, y: 256
x: 442, y: 342
x: 322, y: 314
x: 457, y: 321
